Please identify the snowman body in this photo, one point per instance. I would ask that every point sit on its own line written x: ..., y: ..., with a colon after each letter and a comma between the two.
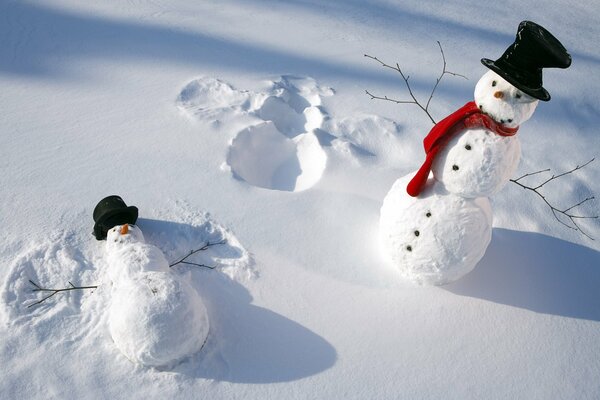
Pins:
x: 441, y: 234
x: 434, y: 238
x: 156, y: 317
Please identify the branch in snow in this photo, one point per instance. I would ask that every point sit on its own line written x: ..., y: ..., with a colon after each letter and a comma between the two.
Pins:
x: 414, y: 100
x: 206, y: 246
x: 38, y: 288
x: 567, y: 212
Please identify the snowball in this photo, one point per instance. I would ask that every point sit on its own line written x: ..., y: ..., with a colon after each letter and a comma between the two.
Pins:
x: 502, y: 101
x: 477, y: 163
x: 128, y: 254
x: 157, y: 319
x: 434, y: 238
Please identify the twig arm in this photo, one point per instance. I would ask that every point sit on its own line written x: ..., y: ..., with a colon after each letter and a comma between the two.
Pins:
x: 204, y: 247
x: 52, y: 292
x: 405, y: 78
x: 555, y: 210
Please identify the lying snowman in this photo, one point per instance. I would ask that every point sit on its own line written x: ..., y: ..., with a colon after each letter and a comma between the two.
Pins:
x: 436, y: 224
x: 156, y: 317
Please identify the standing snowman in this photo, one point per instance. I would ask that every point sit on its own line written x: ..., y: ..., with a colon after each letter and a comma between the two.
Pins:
x: 435, y: 229
x: 156, y: 318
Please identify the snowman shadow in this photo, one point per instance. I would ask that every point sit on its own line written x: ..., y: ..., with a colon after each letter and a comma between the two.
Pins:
x: 537, y: 273
x: 246, y: 343
x: 251, y: 344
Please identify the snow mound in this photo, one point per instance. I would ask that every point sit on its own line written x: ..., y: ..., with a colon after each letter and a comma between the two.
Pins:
x: 282, y: 153
x: 435, y: 238
x: 367, y: 138
x: 278, y: 152
x: 209, y: 98
x: 157, y: 319
x: 262, y: 156
x: 287, y: 134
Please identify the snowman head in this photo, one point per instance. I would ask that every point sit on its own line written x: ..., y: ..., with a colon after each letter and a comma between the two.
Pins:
x: 121, y: 235
x: 503, y: 102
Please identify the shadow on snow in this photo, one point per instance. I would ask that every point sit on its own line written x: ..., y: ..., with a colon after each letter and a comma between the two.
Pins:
x: 246, y: 343
x: 538, y: 273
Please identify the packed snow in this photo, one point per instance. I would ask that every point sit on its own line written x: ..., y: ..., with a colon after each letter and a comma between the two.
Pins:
x: 156, y: 318
x: 437, y: 237
x: 246, y: 123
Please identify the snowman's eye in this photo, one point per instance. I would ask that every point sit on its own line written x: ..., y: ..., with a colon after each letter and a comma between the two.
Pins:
x: 518, y: 95
x: 494, y: 83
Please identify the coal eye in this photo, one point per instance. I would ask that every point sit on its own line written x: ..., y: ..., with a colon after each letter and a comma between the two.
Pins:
x: 494, y: 83
x: 518, y: 95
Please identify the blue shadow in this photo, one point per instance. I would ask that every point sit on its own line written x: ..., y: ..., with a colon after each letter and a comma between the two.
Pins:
x: 538, y: 273
x: 41, y: 41
x: 246, y: 343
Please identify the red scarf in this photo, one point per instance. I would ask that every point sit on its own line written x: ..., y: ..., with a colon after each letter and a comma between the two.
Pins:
x: 467, y: 117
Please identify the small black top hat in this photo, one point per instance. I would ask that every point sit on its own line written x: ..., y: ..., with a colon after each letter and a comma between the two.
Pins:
x: 521, y: 64
x: 112, y: 211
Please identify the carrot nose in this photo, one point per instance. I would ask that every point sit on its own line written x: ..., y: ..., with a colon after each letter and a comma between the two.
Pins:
x: 124, y: 229
x: 499, y: 94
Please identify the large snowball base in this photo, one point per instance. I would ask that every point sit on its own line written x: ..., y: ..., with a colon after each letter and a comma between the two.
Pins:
x: 157, y: 319
x: 435, y: 238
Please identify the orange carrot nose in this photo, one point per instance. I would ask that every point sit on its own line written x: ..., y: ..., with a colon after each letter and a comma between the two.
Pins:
x: 499, y: 94
x: 124, y: 229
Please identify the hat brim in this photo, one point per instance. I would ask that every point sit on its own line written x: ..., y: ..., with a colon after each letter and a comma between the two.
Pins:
x: 127, y: 215
x: 538, y: 93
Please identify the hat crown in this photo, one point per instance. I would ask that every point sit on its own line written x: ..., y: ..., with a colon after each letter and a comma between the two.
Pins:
x: 536, y: 48
x: 107, y: 204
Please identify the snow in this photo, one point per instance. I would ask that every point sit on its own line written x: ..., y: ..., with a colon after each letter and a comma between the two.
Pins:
x: 515, y: 108
x: 302, y: 303
x: 437, y: 237
x: 156, y: 317
x: 477, y: 163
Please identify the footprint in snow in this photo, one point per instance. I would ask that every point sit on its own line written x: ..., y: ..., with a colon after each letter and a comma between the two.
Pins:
x: 281, y: 151
x: 283, y: 144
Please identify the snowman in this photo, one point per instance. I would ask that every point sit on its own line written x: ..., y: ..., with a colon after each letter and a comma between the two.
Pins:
x: 156, y: 318
x: 435, y: 224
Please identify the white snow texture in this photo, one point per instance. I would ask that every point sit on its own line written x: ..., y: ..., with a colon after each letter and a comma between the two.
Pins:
x: 434, y: 238
x: 248, y: 122
x: 156, y: 317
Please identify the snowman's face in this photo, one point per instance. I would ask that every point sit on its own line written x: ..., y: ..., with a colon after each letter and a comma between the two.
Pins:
x: 119, y: 236
x: 502, y: 101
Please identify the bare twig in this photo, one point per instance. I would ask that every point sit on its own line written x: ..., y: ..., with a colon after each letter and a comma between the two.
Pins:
x: 206, y: 246
x: 38, y: 288
x: 414, y: 100
x: 556, y: 211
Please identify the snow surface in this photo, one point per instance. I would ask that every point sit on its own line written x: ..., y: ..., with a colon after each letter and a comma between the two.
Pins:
x: 96, y: 100
x: 156, y: 318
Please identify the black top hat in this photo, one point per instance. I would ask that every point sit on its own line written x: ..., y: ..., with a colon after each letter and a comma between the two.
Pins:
x: 112, y: 211
x: 521, y: 64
